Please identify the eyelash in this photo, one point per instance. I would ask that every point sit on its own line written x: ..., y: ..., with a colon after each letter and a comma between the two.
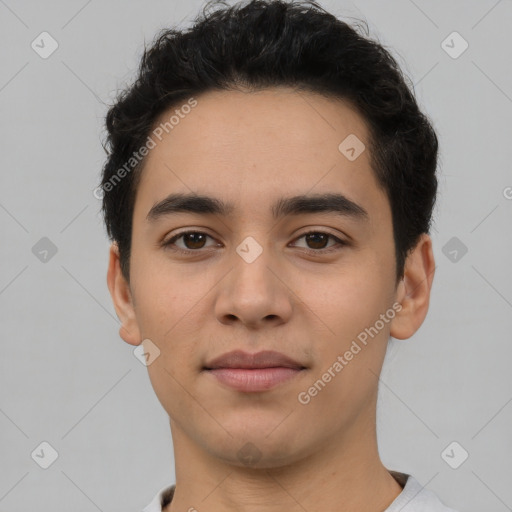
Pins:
x: 339, y: 243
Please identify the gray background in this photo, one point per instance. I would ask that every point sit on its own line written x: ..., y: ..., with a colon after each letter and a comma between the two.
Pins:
x: 68, y: 379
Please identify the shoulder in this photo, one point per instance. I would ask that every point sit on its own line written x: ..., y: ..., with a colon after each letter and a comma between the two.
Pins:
x: 161, y: 499
x: 415, y: 497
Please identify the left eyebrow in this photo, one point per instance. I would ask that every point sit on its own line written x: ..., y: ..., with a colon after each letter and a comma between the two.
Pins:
x: 319, y: 203
x: 295, y: 205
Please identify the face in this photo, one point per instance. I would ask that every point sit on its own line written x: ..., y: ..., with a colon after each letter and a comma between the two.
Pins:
x: 293, y: 254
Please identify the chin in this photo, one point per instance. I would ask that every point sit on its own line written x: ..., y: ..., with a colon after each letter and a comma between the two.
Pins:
x: 263, y: 447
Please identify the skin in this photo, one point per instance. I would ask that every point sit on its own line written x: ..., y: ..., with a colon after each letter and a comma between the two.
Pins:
x: 250, y: 148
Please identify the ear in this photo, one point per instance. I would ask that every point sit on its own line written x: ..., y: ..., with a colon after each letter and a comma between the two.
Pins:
x: 413, y: 291
x: 122, y: 299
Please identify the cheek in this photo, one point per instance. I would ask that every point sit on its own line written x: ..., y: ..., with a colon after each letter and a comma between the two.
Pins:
x: 166, y: 294
x: 346, y: 298
x: 350, y: 306
x: 347, y: 304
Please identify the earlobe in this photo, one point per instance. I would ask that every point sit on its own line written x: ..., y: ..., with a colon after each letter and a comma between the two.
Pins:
x: 122, y: 299
x: 413, y: 291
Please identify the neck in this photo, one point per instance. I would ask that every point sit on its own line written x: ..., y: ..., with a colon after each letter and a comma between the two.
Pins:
x: 345, y: 473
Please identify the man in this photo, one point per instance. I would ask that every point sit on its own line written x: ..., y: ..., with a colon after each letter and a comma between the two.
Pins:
x: 268, y: 193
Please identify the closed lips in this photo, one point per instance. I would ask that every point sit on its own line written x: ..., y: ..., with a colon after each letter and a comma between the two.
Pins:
x: 253, y: 373
x: 259, y: 360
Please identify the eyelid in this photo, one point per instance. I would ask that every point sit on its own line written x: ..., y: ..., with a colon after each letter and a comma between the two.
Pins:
x: 338, y: 245
x: 171, y: 240
x: 338, y: 240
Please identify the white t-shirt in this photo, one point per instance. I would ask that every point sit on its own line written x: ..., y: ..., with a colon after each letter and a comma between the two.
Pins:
x: 413, y: 498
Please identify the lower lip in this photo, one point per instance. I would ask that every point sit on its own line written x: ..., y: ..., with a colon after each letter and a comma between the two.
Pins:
x: 258, y: 379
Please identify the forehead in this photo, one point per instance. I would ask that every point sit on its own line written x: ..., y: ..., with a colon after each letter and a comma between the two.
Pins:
x: 250, y: 146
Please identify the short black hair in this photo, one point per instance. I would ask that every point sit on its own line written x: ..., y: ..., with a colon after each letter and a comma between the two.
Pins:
x: 270, y: 43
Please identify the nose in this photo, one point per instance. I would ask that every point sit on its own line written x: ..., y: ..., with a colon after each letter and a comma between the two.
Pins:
x: 253, y: 294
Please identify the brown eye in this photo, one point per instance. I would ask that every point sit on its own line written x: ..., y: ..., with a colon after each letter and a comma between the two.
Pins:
x: 317, y: 240
x: 194, y: 240
x: 190, y: 241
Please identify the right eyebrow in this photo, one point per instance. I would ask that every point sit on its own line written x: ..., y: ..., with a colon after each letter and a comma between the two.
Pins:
x: 192, y: 203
